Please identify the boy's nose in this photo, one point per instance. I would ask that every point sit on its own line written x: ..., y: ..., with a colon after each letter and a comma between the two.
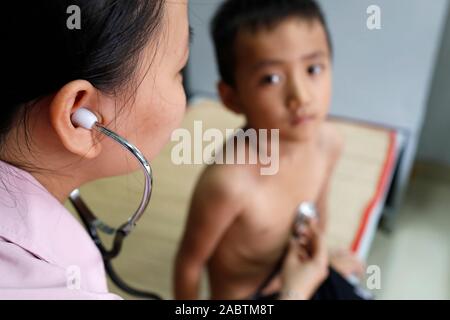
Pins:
x: 298, y: 96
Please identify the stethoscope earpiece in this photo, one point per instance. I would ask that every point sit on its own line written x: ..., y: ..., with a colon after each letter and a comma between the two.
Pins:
x: 84, y: 118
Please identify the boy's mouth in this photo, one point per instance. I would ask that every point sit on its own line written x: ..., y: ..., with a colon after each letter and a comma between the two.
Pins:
x: 301, y: 120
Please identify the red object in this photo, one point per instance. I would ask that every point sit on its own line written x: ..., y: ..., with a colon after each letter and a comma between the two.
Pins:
x: 382, y: 184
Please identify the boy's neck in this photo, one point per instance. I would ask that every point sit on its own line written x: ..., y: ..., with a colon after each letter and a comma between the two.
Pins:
x: 286, y: 147
x: 290, y: 147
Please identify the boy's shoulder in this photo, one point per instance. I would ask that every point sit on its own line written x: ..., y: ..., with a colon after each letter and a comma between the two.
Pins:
x: 226, y: 180
x: 332, y: 141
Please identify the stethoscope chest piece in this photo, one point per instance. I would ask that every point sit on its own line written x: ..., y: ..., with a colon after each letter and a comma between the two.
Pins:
x: 306, y: 211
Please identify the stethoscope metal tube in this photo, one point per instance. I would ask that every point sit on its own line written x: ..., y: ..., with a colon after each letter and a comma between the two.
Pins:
x: 93, y: 224
x: 147, y: 170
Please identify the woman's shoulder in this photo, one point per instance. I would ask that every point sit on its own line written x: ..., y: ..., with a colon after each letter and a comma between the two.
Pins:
x: 30, y: 277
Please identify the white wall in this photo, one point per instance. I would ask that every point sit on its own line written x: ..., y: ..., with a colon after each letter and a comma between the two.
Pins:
x: 435, y: 141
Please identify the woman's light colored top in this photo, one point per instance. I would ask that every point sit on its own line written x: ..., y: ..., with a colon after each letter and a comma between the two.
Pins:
x: 44, y: 252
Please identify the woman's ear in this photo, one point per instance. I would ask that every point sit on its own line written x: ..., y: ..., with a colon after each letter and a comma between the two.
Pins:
x: 67, y: 100
x: 229, y: 97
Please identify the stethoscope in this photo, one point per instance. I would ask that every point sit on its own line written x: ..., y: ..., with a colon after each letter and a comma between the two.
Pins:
x: 304, y: 213
x: 88, y: 120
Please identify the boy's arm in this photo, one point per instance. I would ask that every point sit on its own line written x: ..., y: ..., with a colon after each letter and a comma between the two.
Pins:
x: 213, y: 210
x: 335, y: 146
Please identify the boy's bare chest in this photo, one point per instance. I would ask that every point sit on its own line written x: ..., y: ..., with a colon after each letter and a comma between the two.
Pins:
x: 278, y: 196
x: 271, y: 209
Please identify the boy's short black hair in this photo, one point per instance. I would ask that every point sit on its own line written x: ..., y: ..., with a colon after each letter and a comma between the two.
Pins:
x: 234, y: 16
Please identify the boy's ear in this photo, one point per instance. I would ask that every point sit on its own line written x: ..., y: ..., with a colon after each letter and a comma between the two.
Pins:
x: 66, y: 101
x: 229, y: 97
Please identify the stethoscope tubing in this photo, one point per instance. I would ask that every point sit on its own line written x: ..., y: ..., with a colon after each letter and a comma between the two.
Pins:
x: 93, y: 224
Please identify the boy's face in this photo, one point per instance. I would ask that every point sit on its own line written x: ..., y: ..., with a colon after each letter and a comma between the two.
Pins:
x: 283, y: 78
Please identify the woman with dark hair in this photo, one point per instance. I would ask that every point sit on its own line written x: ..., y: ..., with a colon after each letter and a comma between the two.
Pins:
x: 122, y: 60
x: 124, y: 63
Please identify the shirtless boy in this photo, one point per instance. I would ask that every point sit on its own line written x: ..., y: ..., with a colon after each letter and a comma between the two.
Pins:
x: 274, y: 59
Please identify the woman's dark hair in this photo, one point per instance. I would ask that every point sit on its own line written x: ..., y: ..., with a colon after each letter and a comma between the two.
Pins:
x: 234, y: 16
x: 43, y: 52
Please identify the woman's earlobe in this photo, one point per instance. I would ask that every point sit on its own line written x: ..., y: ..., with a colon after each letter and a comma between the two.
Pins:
x: 76, y: 139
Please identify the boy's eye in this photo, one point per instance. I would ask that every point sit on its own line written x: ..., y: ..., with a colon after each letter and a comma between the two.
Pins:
x: 271, y: 79
x: 315, y: 69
